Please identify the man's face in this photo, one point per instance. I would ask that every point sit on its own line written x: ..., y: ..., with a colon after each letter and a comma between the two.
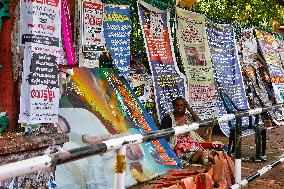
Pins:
x: 180, y: 107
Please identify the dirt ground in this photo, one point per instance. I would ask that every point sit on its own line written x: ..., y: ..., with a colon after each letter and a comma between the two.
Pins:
x: 273, y: 179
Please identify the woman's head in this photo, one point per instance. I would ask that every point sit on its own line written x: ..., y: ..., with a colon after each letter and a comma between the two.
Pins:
x: 179, y: 106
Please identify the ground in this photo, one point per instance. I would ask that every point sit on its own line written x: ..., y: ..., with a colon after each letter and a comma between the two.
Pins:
x: 274, y: 179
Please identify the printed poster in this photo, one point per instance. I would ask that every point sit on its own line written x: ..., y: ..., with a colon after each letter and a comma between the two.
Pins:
x: 39, y: 98
x: 269, y: 48
x: 227, y: 73
x: 100, y: 102
x: 168, y: 82
x: 40, y: 22
x: 117, y: 30
x: 92, y: 20
x: 196, y: 60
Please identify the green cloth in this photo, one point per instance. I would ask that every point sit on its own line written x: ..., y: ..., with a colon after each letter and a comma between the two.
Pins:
x: 4, y: 11
x: 4, y: 121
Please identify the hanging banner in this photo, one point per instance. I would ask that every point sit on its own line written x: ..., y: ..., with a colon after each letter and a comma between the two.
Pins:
x: 227, y: 71
x: 196, y: 60
x: 169, y: 83
x: 39, y: 98
x: 105, y: 96
x: 67, y: 36
x: 92, y: 28
x: 117, y: 32
x: 269, y: 48
x: 40, y: 22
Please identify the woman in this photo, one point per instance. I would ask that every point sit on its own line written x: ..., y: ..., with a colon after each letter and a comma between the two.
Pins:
x: 185, y: 146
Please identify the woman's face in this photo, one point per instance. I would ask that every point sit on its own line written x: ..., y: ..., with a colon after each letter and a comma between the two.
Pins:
x: 180, y: 107
x: 192, y: 52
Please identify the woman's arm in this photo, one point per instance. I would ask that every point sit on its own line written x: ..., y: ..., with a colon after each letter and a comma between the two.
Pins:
x: 193, y: 114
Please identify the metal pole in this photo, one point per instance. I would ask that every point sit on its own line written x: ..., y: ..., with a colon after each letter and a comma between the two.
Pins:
x: 120, y: 166
x: 238, y: 153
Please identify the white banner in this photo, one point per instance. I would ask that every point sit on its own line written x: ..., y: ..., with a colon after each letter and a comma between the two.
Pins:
x: 39, y: 98
x: 40, y: 22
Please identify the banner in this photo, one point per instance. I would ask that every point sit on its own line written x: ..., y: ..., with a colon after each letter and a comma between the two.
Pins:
x: 40, y: 22
x: 269, y: 48
x: 92, y: 28
x: 117, y: 31
x: 39, y: 98
x: 100, y: 102
x: 196, y: 60
x: 169, y: 83
x: 227, y: 71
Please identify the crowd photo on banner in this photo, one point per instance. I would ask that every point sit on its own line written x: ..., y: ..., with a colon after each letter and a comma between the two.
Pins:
x: 83, y: 74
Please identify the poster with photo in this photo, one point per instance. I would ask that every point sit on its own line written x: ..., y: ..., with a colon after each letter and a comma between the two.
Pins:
x: 168, y: 81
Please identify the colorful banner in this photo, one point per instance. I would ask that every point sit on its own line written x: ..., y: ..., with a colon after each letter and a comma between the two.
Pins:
x: 196, y: 60
x: 92, y: 28
x: 40, y: 22
x: 105, y: 96
x: 227, y: 71
x: 117, y: 31
x: 169, y: 83
x: 269, y: 48
x: 39, y: 98
x: 67, y: 36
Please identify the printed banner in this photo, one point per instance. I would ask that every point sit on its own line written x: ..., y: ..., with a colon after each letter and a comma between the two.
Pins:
x: 92, y: 28
x: 67, y: 36
x: 169, y: 83
x: 269, y: 48
x: 253, y: 68
x: 39, y: 98
x: 227, y: 71
x: 196, y: 60
x: 117, y: 31
x: 40, y: 22
x: 100, y: 102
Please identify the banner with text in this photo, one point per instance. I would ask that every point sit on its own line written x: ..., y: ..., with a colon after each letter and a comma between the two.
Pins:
x: 269, y: 48
x: 92, y: 28
x: 117, y: 31
x: 39, y: 98
x: 227, y: 71
x: 169, y: 83
x: 196, y: 60
x: 40, y: 22
x: 105, y: 96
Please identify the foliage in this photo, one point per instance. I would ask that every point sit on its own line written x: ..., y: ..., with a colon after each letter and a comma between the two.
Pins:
x: 268, y: 14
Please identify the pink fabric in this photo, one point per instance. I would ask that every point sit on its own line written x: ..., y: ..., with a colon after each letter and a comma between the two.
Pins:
x: 67, y: 36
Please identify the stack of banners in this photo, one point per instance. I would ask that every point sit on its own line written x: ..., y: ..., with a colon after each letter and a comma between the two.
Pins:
x: 269, y: 48
x: 117, y: 31
x: 100, y: 102
x: 251, y: 65
x: 247, y: 47
x: 169, y: 83
x: 40, y: 22
x: 93, y: 40
x: 67, y: 37
x: 39, y: 98
x: 227, y: 73
x: 40, y: 34
x: 142, y: 85
x: 196, y: 59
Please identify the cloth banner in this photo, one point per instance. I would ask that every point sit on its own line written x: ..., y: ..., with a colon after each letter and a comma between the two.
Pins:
x: 92, y: 28
x: 101, y: 102
x: 40, y: 22
x: 67, y: 37
x: 169, y: 83
x: 269, y: 48
x: 251, y: 65
x: 227, y: 71
x: 117, y: 31
x: 39, y: 100
x: 196, y: 60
